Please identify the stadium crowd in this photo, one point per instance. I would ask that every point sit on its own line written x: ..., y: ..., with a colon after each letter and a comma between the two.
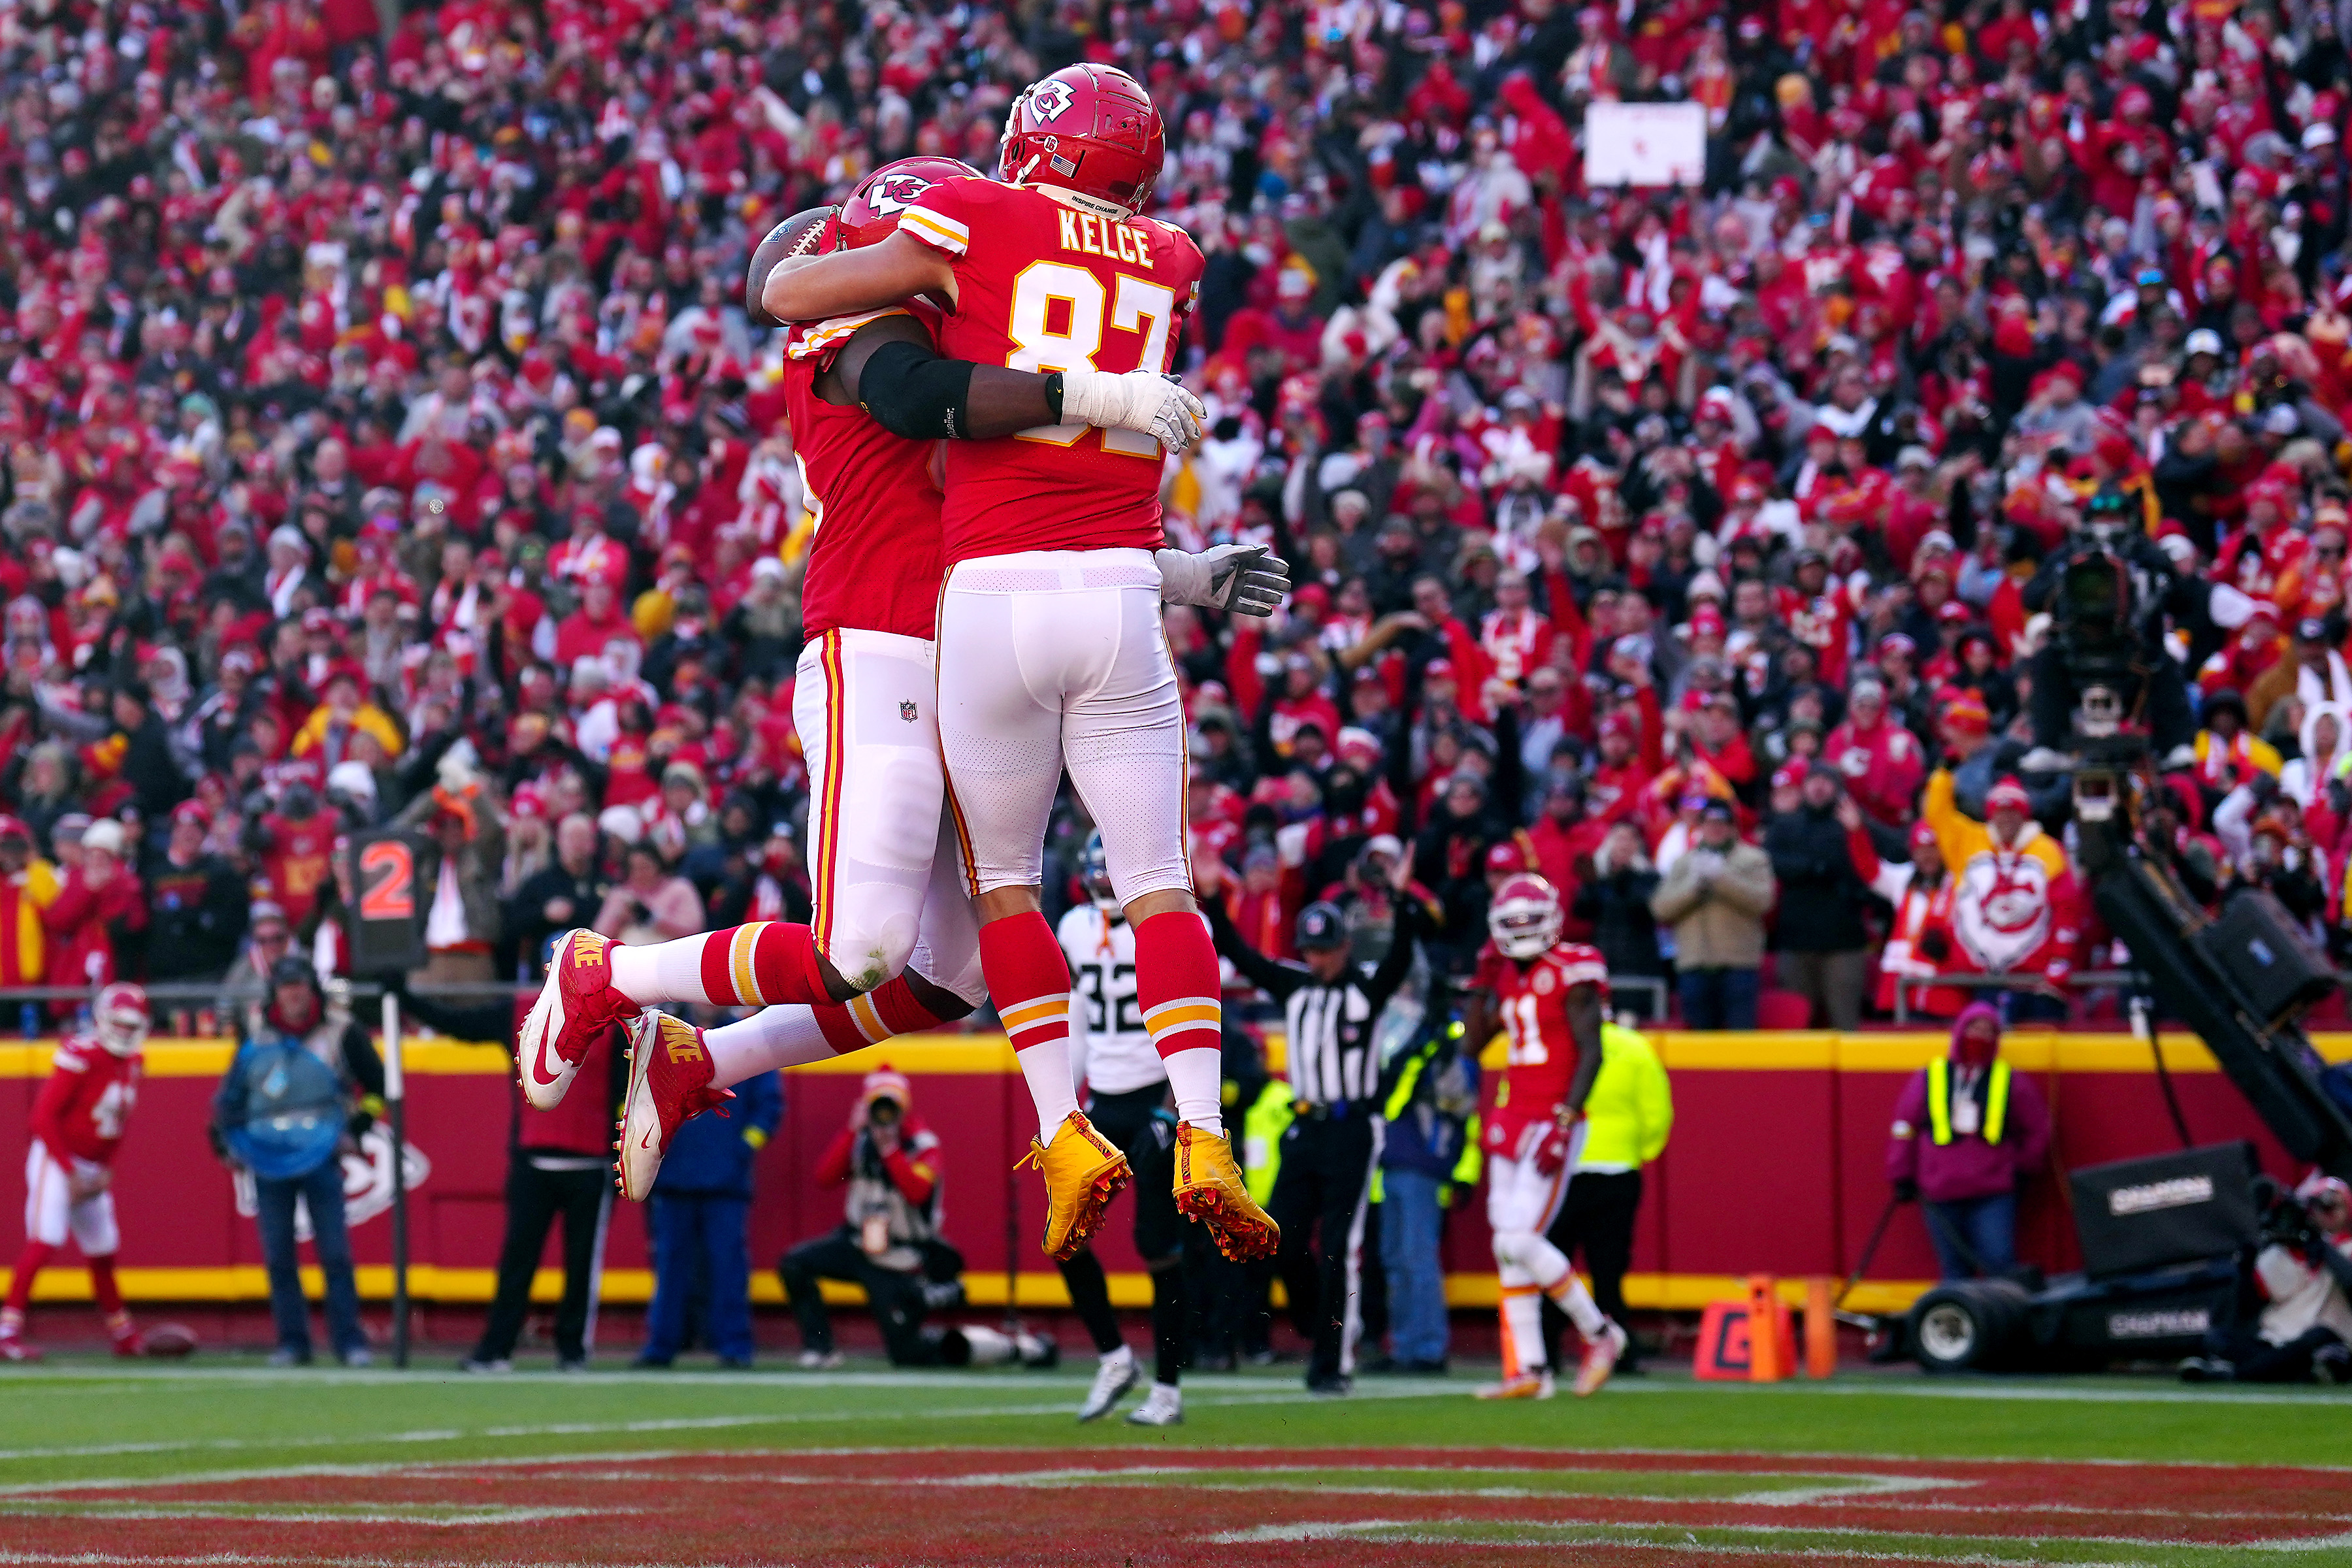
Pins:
x: 386, y: 442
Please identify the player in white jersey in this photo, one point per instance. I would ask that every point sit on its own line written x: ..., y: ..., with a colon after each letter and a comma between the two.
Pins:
x: 1123, y: 1084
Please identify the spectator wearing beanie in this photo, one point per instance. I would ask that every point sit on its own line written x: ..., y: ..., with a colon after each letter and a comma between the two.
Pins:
x: 2015, y: 906
x: 1823, y: 947
x: 1715, y: 896
x: 99, y: 912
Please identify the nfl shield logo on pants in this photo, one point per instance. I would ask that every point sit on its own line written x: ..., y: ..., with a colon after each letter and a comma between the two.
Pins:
x: 907, y: 711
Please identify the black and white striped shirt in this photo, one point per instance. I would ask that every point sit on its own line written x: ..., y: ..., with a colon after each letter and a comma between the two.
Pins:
x: 1334, y: 1058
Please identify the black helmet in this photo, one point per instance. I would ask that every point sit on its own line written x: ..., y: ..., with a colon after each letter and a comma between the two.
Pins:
x: 1320, y: 925
x: 293, y: 971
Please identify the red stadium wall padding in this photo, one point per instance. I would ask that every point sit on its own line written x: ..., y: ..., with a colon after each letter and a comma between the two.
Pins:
x: 1776, y: 1166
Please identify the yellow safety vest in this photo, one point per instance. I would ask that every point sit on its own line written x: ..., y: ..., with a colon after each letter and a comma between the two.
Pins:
x: 1261, y: 1129
x: 1940, y: 1101
x: 1632, y: 1107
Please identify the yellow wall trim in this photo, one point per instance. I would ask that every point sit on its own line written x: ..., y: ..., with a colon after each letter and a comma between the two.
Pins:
x: 2029, y: 1050
x: 634, y: 1287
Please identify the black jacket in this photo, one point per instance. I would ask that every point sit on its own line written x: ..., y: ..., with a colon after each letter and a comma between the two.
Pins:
x: 1624, y: 930
x: 151, y: 770
x: 1821, y: 895
x: 523, y: 925
x: 195, y: 918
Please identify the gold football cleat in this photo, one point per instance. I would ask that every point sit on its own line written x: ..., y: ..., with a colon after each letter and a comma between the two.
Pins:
x: 1209, y: 1188
x: 1083, y: 1173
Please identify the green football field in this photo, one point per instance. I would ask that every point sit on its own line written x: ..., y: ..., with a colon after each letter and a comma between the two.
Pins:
x: 228, y: 1462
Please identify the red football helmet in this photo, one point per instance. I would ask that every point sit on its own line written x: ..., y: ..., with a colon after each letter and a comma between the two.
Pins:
x: 119, y: 1018
x: 1524, y: 920
x: 873, y: 209
x: 1090, y: 128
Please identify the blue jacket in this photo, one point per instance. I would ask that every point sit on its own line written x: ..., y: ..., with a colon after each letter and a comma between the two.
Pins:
x: 711, y: 1156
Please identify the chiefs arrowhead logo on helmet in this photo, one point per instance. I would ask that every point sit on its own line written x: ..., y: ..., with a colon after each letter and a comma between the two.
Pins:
x: 874, y: 208
x: 1049, y: 101
x: 1090, y: 129
x: 896, y: 192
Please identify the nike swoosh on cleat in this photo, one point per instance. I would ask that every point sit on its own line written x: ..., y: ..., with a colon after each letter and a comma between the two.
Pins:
x: 539, y: 1062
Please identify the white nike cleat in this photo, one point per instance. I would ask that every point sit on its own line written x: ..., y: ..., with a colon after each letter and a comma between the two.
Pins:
x: 1534, y: 1384
x: 1163, y: 1406
x: 669, y: 1085
x: 578, y: 1001
x: 1599, y: 1359
x: 1118, y: 1374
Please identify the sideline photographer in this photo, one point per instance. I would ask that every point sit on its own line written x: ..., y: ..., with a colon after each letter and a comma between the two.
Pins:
x: 2108, y: 593
x: 2302, y: 1276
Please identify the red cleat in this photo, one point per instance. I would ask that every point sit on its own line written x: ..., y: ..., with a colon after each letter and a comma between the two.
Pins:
x: 131, y: 1344
x: 578, y: 1002
x: 669, y: 1085
x: 12, y: 1348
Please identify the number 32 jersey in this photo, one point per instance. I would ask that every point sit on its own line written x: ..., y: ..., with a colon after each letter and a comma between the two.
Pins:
x: 1532, y: 999
x: 1044, y: 284
x: 1115, y: 1053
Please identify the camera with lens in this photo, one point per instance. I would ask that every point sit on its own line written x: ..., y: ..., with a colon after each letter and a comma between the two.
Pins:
x: 2283, y: 1221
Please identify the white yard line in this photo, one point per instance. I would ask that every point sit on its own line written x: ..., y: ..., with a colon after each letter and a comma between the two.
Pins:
x: 1633, y: 1532
x: 296, y: 1514
x: 12, y: 1559
x: 590, y: 1428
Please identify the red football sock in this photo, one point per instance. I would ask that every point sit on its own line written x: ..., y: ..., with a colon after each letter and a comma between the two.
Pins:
x: 890, y: 1009
x: 102, y: 1288
x: 1029, y: 980
x: 29, y: 1264
x: 1177, y: 986
x: 766, y: 963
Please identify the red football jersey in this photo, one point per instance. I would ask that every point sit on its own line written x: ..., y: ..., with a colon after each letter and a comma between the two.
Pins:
x: 87, y: 1098
x: 1533, y: 1001
x: 875, y: 563
x: 1044, y: 285
x: 299, y: 861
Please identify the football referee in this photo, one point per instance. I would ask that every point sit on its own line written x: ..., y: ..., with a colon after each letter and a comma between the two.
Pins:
x: 1331, y: 1009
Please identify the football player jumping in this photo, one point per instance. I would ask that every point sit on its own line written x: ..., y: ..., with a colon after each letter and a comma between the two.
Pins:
x: 892, y: 947
x: 1051, y: 655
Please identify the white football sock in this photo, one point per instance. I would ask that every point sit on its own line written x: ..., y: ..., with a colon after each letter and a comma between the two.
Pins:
x: 770, y: 1037
x: 1523, y: 1349
x: 663, y: 972
x: 1197, y: 1074
x: 1046, y: 1065
x: 1577, y: 1302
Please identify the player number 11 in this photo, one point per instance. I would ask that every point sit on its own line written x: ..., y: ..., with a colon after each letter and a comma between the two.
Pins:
x: 1137, y: 307
x: 1527, y: 1034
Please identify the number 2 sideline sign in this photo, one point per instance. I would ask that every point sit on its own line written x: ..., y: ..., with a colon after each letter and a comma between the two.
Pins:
x: 1644, y: 144
x: 387, y: 928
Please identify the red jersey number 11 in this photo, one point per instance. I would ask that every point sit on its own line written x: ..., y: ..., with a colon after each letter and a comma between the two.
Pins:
x: 1136, y: 306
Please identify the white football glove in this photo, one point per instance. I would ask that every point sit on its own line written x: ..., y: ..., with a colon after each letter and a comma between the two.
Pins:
x: 1141, y: 400
x: 1246, y: 579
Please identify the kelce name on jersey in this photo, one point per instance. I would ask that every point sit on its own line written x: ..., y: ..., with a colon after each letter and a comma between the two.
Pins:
x: 1101, y: 236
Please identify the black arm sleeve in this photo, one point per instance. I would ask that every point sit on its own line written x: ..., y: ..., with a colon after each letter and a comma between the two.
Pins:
x: 1397, y: 963
x: 912, y: 391
x: 486, y: 1021
x: 1278, y: 981
x: 1585, y: 1017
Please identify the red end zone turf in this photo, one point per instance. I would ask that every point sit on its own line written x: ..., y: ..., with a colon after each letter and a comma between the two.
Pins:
x: 1353, y: 1505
